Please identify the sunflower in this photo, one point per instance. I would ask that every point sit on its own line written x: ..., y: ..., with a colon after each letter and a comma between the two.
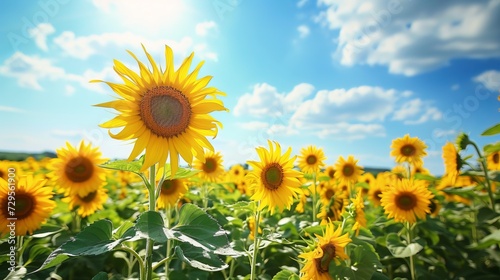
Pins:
x: 446, y: 183
x: 406, y: 200
x: 452, y: 161
x: 87, y: 204
x: 311, y: 159
x: 274, y: 181
x: 399, y: 172
x: 167, y: 112
x: 330, y: 172
x: 329, y: 247
x: 494, y: 161
x: 334, y: 201
x: 408, y: 149
x: 251, y: 228
x: 381, y: 182
x: 33, y: 205
x: 236, y: 173
x: 5, y: 165
x: 211, y: 166
x: 171, y: 191
x: 367, y: 178
x: 300, y: 208
x: 359, y: 212
x: 347, y: 170
x: 77, y: 171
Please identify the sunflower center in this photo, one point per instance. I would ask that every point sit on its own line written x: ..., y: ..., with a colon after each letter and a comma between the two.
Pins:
x: 348, y: 170
x: 1, y: 174
x: 168, y: 187
x: 273, y: 176
x: 79, y: 169
x: 408, y: 150
x: 433, y: 206
x: 210, y: 165
x: 377, y: 194
x: 329, y: 193
x: 331, y: 173
x: 89, y: 197
x: 25, y: 205
x: 323, y: 263
x: 311, y: 159
x: 406, y: 201
x: 166, y: 111
x: 496, y: 158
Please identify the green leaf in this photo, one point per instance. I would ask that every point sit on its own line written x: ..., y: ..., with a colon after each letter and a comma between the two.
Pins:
x: 124, y: 165
x: 286, y: 275
x: 198, y: 258
x: 150, y: 224
x: 181, y: 173
x: 492, y: 130
x: 37, y: 250
x: 400, y: 250
x: 491, y: 148
x: 363, y: 262
x: 123, y: 229
x: 100, y: 276
x: 486, y: 215
x: 489, y: 240
x: 92, y: 240
x: 47, y: 230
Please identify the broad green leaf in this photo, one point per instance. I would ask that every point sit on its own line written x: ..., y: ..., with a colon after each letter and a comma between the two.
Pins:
x: 199, y: 258
x: 181, y: 173
x: 400, y: 250
x: 363, y: 262
x: 122, y: 229
x: 37, y: 250
x: 491, y: 148
x: 124, y: 165
x: 486, y: 215
x: 47, y: 230
x: 286, y: 275
x: 92, y: 240
x: 489, y: 240
x: 101, y: 276
x: 150, y: 224
x: 492, y: 130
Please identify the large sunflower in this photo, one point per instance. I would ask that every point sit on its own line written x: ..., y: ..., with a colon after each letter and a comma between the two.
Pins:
x: 406, y: 200
x: 273, y: 180
x: 494, y: 161
x: 347, y: 170
x: 171, y: 191
x: 408, y: 149
x: 210, y: 166
x: 452, y: 161
x: 33, y: 205
x: 330, y: 247
x: 87, y: 204
x: 77, y: 171
x: 311, y: 159
x: 167, y: 112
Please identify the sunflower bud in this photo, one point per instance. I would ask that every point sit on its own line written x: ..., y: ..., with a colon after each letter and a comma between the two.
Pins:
x: 463, y: 141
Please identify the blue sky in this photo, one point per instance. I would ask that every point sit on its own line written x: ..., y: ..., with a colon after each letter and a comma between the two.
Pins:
x: 346, y: 76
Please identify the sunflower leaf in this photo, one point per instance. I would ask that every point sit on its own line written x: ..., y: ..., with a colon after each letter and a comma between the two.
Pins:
x: 198, y: 258
x: 150, y: 225
x: 363, y: 262
x: 124, y: 165
x: 492, y: 130
x: 286, y: 275
x: 400, y: 250
x: 93, y: 240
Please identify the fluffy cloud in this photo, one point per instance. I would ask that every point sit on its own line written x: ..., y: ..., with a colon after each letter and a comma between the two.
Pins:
x: 414, y: 108
x: 265, y: 100
x: 40, y: 33
x: 203, y: 28
x: 303, y: 31
x: 490, y: 79
x: 411, y: 37
x: 348, y: 131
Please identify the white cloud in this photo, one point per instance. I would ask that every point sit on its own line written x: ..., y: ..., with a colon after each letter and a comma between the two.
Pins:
x: 203, y: 28
x: 83, y: 47
x: 265, y: 100
x: 411, y: 37
x: 411, y: 109
x: 431, y: 113
x: 303, y: 31
x: 442, y: 133
x: 10, y: 109
x: 348, y: 131
x: 279, y: 129
x: 29, y: 70
x: 408, y: 109
x: 40, y: 33
x: 490, y: 79
x: 301, y: 3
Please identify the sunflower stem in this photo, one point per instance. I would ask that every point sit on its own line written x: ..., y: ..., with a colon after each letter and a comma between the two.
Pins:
x: 314, y: 197
x: 169, y: 243
x: 204, y: 195
x: 485, y: 170
x: 137, y: 257
x: 255, y: 244
x: 152, y: 207
x: 412, y: 263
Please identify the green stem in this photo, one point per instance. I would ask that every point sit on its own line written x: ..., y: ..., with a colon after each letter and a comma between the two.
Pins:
x: 162, y: 262
x: 152, y: 207
x: 204, y: 195
x: 169, y: 244
x: 314, y: 197
x: 412, y: 263
x: 255, y: 244
x: 137, y: 257
x: 485, y: 170
x: 20, y: 250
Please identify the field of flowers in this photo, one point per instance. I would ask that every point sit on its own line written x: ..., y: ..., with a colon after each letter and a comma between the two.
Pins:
x: 288, y: 215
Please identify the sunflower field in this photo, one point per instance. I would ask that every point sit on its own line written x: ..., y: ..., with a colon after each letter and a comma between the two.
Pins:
x: 288, y: 215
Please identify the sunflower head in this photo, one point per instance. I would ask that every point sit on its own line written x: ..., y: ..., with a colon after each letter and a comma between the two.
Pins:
x: 347, y: 171
x: 311, y: 159
x: 165, y: 111
x: 493, y: 160
x: 33, y: 206
x: 273, y: 180
x: 408, y: 149
x: 452, y: 160
x: 329, y: 247
x: 87, y: 204
x: 76, y: 171
x: 171, y: 191
x: 406, y: 200
x: 210, y: 167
